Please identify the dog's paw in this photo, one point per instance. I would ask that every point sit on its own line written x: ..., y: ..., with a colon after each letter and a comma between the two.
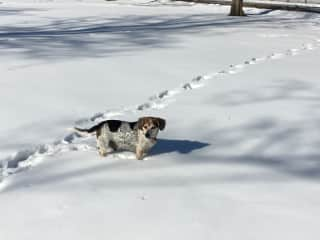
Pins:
x: 103, y: 153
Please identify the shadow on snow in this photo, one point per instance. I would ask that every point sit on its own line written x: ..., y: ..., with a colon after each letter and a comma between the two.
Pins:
x: 102, y: 36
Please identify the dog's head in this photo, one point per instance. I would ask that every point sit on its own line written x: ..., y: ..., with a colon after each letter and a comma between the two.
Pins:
x: 150, y: 126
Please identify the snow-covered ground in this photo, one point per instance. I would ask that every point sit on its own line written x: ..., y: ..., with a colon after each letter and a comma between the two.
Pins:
x: 239, y: 158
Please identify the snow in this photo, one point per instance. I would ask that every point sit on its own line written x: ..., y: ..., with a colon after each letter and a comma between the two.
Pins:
x: 239, y: 157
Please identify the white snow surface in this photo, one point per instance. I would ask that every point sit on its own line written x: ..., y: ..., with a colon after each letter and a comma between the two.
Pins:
x: 239, y: 158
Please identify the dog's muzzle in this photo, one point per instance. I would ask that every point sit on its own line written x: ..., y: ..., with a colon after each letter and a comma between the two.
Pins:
x: 149, y: 136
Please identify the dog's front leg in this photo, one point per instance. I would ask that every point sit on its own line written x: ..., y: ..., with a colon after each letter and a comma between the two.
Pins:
x: 139, y: 153
x: 102, y: 151
x: 102, y: 144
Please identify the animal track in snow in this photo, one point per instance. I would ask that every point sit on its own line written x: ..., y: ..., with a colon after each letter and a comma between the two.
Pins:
x: 161, y: 99
x: 276, y: 56
x: 24, y: 159
x: 292, y: 52
x: 271, y: 35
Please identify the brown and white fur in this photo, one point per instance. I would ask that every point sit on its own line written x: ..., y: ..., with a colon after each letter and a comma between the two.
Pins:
x: 138, y: 137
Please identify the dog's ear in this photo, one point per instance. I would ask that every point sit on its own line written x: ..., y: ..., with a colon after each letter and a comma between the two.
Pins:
x: 141, y: 122
x: 161, y: 123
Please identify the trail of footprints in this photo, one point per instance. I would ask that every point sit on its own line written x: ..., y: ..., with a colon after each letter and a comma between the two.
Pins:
x: 28, y: 158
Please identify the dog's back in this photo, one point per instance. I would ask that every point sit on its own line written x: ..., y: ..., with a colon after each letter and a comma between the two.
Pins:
x: 122, y: 136
x: 113, y: 126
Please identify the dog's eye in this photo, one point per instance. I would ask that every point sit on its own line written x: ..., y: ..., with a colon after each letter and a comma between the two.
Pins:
x: 154, y: 127
x: 145, y: 127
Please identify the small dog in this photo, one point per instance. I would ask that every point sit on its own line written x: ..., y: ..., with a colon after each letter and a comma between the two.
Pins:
x: 138, y: 137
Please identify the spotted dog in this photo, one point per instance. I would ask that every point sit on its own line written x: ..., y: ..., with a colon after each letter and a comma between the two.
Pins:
x: 138, y: 137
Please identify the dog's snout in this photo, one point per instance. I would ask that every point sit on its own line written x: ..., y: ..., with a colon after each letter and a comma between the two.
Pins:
x: 148, y: 135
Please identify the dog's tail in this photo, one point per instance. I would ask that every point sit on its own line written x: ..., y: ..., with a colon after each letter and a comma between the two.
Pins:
x: 84, y: 131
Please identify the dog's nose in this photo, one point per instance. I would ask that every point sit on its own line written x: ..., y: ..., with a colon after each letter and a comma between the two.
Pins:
x: 147, y: 135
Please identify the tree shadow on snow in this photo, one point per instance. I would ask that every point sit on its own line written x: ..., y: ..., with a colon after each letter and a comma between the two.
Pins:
x: 106, y: 36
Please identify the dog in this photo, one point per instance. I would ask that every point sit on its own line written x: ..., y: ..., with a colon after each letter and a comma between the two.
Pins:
x: 138, y: 137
